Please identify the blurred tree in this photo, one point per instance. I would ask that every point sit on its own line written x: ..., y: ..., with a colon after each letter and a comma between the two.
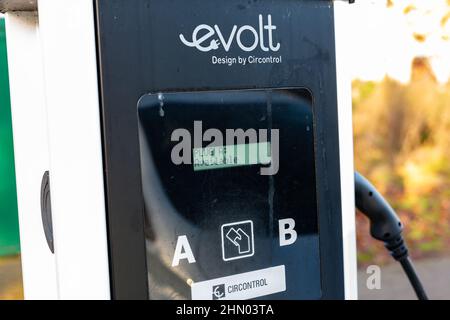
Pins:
x: 402, y: 140
x: 402, y: 136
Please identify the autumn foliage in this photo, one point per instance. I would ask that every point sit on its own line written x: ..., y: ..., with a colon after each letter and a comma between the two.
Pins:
x: 402, y: 144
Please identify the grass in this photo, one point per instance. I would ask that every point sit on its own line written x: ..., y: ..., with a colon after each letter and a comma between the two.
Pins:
x: 10, y: 278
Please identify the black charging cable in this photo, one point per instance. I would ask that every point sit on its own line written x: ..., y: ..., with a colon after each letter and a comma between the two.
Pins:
x: 387, y: 227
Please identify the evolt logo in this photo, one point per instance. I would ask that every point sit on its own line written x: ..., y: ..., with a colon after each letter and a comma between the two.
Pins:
x: 205, y: 43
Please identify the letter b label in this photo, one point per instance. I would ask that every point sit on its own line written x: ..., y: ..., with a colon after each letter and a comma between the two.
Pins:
x: 287, y: 233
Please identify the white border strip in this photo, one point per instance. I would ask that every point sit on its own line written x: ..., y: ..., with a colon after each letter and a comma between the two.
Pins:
x: 29, y: 117
x: 342, y: 16
x: 67, y: 29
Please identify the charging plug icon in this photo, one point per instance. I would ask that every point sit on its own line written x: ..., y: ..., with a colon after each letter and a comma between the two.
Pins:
x: 240, y: 239
x: 237, y: 240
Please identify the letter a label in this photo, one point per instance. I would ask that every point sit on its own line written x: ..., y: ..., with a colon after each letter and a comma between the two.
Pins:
x: 182, y: 251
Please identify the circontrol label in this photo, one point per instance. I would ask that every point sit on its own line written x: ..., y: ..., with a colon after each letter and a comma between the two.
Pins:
x: 242, y: 286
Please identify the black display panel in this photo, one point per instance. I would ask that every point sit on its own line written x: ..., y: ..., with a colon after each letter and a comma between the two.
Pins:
x: 223, y: 229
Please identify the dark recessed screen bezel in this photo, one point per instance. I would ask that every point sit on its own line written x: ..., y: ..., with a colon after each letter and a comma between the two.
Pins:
x: 158, y: 104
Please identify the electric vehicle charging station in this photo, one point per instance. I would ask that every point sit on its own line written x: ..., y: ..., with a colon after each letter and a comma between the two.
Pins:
x: 105, y: 93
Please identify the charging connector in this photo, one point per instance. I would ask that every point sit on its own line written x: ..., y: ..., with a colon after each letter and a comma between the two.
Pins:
x: 387, y: 227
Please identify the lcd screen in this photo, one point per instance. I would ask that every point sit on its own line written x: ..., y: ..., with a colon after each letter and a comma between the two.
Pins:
x: 228, y: 156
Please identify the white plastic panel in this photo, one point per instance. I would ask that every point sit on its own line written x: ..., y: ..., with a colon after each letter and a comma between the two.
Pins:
x: 343, y: 26
x: 29, y: 117
x: 76, y: 170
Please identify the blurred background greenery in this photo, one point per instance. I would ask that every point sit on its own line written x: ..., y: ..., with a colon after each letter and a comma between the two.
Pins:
x: 10, y: 271
x: 402, y: 143
x: 401, y: 114
x: 9, y: 234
